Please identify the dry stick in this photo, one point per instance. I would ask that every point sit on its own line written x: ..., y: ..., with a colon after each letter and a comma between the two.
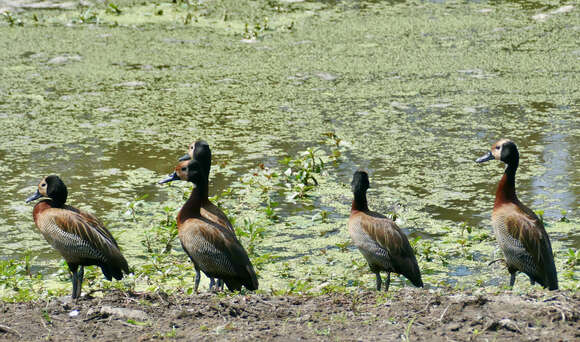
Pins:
x: 9, y: 330
x: 444, y: 311
x: 560, y: 311
x: 426, y: 307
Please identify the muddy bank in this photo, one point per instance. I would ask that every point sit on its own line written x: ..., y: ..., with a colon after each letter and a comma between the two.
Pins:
x: 407, y: 314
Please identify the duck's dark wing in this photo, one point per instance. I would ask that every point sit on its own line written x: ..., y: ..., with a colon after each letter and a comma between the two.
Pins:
x: 218, y: 253
x: 390, y: 237
x: 525, y: 226
x: 93, y: 238
x: 217, y: 216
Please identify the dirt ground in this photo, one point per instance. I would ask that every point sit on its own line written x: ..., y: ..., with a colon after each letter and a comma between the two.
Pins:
x: 407, y: 314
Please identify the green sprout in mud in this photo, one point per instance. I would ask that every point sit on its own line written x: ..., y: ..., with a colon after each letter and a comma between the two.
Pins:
x: 407, y: 336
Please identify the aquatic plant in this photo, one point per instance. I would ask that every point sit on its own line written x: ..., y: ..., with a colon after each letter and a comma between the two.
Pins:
x: 12, y: 19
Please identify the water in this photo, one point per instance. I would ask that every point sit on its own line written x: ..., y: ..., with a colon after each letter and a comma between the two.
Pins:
x: 415, y: 99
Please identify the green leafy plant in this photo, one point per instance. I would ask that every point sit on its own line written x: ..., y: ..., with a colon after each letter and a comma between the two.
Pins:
x: 251, y: 234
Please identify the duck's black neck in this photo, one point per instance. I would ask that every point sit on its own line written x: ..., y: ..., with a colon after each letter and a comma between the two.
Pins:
x: 193, y: 205
x: 360, y: 201
x: 57, y: 204
x: 506, y: 190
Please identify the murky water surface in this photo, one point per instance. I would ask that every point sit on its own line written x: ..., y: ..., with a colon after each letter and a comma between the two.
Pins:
x: 416, y: 92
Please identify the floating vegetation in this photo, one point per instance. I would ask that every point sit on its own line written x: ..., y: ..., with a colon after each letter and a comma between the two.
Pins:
x: 324, y: 88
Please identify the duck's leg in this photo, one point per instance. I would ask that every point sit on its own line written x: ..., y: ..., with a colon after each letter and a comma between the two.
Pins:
x: 197, y: 278
x: 220, y: 284
x: 512, y: 278
x: 211, y: 283
x: 77, y: 280
x: 379, y: 280
x: 388, y: 281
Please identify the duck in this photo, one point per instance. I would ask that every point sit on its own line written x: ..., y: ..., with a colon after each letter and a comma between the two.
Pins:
x: 212, y: 247
x: 79, y: 236
x: 518, y: 230
x: 200, y: 151
x: 379, y: 239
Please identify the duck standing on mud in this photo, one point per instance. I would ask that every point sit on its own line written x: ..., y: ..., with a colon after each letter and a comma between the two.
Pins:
x: 200, y: 151
x: 519, y: 232
x: 213, y: 248
x: 379, y: 239
x: 77, y: 235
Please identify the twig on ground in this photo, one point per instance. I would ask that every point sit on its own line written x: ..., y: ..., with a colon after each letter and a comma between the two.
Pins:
x: 9, y: 330
x: 444, y: 311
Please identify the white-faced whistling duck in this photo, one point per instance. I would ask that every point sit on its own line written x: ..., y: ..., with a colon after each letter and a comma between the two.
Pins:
x: 212, y: 248
x: 379, y: 239
x: 77, y: 235
x: 201, y: 152
x: 519, y: 232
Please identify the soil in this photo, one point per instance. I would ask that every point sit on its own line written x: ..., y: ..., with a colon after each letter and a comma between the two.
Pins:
x: 404, y: 314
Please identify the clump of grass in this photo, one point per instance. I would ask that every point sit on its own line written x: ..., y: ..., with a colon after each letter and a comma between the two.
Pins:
x: 17, y: 283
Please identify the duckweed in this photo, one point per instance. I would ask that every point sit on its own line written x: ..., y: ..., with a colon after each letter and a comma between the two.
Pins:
x: 292, y: 97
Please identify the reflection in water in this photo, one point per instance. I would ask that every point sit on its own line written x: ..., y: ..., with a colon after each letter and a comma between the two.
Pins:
x: 552, y: 188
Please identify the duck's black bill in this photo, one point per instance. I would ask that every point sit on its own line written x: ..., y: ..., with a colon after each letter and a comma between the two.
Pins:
x: 185, y: 157
x: 486, y: 157
x: 172, y: 177
x: 34, y: 196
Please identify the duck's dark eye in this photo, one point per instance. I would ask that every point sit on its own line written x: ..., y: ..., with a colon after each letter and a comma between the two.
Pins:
x: 497, y: 147
x: 183, y: 169
x: 43, y: 185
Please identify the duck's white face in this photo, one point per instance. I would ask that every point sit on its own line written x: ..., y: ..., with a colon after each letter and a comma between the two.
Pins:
x: 496, y: 148
x: 191, y: 149
x: 42, y: 186
x: 181, y: 170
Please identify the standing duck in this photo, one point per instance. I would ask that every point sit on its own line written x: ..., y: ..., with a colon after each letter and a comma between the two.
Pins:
x: 77, y: 235
x: 379, y: 239
x: 211, y: 247
x: 201, y: 152
x: 519, y: 232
